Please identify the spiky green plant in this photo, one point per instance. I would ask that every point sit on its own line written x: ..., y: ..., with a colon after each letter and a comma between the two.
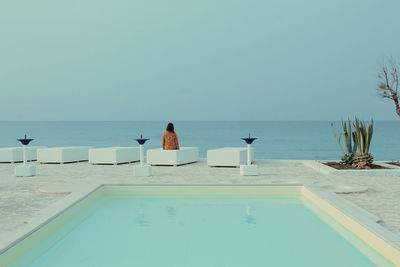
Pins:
x: 349, y: 150
x: 362, y: 137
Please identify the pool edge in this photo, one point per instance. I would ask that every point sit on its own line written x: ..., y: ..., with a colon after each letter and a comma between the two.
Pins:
x: 357, y: 220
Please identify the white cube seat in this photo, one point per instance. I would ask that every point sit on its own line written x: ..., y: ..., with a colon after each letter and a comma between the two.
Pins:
x: 114, y: 155
x: 31, y: 152
x: 15, y: 154
x: 63, y: 154
x: 184, y: 155
x: 10, y: 154
x: 229, y: 156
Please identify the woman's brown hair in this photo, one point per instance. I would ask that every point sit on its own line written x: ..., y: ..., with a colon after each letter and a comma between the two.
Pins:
x: 170, y: 128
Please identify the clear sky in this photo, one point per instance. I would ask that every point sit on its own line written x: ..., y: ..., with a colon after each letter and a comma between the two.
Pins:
x: 195, y: 60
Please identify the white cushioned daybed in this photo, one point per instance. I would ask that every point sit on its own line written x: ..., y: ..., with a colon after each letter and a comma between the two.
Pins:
x: 63, y: 154
x: 229, y: 156
x: 114, y: 155
x: 182, y: 156
x: 15, y: 154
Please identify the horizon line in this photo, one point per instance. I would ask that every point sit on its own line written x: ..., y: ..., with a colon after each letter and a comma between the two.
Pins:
x: 163, y: 121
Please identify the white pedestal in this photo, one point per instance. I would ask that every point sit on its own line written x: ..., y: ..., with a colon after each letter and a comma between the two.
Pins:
x: 25, y: 170
x: 139, y: 170
x: 248, y: 170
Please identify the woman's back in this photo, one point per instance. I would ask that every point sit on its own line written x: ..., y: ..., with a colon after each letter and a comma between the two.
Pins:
x: 170, y: 140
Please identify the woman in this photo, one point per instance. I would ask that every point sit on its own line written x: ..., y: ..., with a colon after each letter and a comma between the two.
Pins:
x: 170, y: 140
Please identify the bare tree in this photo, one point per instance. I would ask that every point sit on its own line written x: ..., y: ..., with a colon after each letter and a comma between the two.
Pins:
x: 389, y: 83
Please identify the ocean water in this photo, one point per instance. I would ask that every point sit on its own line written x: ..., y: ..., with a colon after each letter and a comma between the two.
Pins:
x: 200, y: 231
x: 277, y: 140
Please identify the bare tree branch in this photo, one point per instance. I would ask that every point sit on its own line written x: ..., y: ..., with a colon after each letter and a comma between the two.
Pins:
x: 389, y: 83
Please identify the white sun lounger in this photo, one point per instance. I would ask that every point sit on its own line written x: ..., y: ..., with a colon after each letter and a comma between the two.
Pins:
x: 15, y: 154
x: 182, y: 156
x: 113, y: 155
x: 63, y: 154
x: 229, y: 156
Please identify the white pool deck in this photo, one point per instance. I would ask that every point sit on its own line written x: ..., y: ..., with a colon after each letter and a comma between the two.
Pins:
x: 22, y: 199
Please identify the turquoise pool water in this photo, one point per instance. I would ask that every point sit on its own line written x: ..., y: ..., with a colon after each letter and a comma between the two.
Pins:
x: 200, y: 231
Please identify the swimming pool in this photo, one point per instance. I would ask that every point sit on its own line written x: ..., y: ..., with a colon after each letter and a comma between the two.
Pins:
x: 200, y: 226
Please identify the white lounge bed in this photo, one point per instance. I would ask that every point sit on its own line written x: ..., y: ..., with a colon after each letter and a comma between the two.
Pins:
x: 15, y: 154
x: 114, y: 155
x: 229, y: 156
x: 63, y: 154
x: 182, y: 156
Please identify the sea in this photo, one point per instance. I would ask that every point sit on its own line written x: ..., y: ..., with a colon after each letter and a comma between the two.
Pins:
x: 276, y: 139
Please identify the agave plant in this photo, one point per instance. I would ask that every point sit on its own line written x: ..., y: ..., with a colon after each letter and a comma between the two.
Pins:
x: 362, y: 139
x: 349, y: 150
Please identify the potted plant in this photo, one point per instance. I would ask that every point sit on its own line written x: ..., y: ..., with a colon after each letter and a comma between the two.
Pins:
x: 362, y: 137
x: 349, y: 150
x: 357, y: 138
